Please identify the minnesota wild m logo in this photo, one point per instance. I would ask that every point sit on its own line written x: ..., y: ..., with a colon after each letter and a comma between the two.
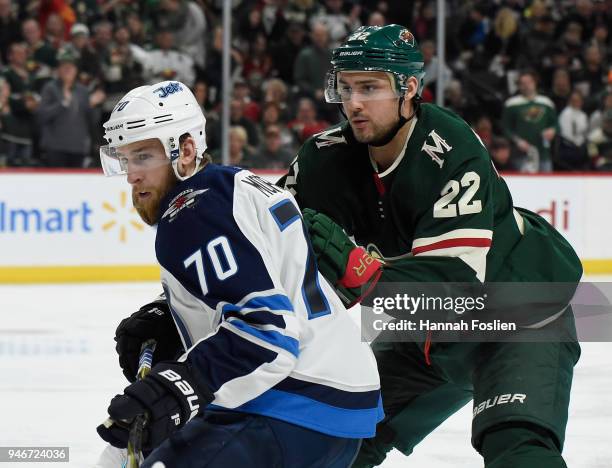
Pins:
x: 439, y: 146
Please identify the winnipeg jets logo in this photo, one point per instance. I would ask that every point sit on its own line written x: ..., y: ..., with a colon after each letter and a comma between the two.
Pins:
x: 439, y: 146
x: 170, y: 88
x: 185, y: 199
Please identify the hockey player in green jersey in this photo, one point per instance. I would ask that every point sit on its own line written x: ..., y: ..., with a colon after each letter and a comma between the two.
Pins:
x: 415, y: 188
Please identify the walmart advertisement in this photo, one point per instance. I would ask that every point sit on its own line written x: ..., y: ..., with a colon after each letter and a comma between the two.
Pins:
x: 71, y: 227
x: 81, y: 226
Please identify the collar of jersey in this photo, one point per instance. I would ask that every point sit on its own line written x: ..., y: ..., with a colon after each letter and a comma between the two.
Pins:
x: 399, y: 157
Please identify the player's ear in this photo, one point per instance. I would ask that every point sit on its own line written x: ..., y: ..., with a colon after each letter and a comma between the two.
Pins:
x: 413, y: 87
x: 187, y: 158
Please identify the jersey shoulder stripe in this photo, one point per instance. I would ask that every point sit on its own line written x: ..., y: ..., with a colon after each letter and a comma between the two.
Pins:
x: 517, y: 100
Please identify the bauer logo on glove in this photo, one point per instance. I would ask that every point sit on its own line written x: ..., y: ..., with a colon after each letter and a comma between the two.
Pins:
x: 185, y: 388
x: 359, y: 269
x: 169, y: 396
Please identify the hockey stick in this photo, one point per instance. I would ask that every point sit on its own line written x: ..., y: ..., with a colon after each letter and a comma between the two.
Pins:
x: 134, y: 448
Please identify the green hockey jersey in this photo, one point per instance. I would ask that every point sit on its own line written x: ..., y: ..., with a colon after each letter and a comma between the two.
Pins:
x: 441, y: 212
x: 527, y: 119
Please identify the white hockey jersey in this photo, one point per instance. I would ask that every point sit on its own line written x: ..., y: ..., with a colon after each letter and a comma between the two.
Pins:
x: 263, y: 328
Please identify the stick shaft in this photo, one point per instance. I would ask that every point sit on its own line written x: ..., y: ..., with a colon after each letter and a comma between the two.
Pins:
x: 145, y: 361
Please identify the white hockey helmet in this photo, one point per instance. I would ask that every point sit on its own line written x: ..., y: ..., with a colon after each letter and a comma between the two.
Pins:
x: 164, y: 111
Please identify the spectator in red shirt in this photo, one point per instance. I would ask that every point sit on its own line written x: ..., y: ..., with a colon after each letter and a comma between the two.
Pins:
x: 306, y: 123
x: 242, y: 92
x: 66, y: 15
x: 258, y: 63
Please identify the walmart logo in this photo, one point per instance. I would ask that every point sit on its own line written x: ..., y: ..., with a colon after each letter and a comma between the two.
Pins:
x: 125, y: 212
x: 54, y: 220
x: 77, y: 218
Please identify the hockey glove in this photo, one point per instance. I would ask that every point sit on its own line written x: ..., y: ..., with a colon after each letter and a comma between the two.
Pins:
x: 168, y: 396
x: 349, y: 268
x: 152, y: 321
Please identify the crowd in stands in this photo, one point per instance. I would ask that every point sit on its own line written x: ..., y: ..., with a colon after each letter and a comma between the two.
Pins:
x: 532, y: 77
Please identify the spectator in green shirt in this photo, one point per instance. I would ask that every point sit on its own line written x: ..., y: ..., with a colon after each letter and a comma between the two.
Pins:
x: 530, y: 121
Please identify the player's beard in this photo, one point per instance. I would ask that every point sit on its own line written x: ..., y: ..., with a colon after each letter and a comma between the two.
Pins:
x: 377, y: 136
x: 148, y: 208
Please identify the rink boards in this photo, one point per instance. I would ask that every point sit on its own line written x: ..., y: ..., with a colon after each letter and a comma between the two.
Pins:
x: 75, y: 226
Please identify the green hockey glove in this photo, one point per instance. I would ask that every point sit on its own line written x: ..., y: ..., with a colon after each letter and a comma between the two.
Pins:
x: 349, y: 268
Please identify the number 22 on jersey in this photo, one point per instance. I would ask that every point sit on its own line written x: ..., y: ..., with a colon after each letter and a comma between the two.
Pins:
x: 444, y: 208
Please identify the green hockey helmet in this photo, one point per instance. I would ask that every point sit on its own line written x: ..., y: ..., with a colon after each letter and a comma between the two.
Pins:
x: 392, y: 49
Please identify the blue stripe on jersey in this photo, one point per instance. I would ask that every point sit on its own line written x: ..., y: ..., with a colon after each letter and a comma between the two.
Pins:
x: 284, y: 213
x: 329, y: 395
x: 314, y: 297
x: 258, y: 317
x: 225, y: 356
x: 305, y: 412
x: 269, y: 336
x: 274, y: 302
x: 182, y: 329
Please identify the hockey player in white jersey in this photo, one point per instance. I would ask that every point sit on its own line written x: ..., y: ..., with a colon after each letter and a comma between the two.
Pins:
x: 275, y: 373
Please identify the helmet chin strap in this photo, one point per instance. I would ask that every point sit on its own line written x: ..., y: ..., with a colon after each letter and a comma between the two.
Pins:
x: 401, y: 121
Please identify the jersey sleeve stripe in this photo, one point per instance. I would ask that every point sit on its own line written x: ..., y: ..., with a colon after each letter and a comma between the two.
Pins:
x: 455, y: 234
x: 216, y: 365
x: 304, y: 411
x: 257, y: 317
x: 278, y: 302
x: 264, y: 326
x: 329, y: 395
x: 445, y: 244
x: 271, y: 337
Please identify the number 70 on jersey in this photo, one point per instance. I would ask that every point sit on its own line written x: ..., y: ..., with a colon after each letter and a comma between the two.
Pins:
x: 216, y: 249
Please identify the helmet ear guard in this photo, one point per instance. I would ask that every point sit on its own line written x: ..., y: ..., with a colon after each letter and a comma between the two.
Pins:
x: 164, y: 111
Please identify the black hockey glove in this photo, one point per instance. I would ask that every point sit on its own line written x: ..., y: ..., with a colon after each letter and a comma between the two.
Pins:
x: 169, y: 396
x: 152, y: 321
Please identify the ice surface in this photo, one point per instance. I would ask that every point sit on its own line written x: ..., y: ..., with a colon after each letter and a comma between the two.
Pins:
x: 59, y: 372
